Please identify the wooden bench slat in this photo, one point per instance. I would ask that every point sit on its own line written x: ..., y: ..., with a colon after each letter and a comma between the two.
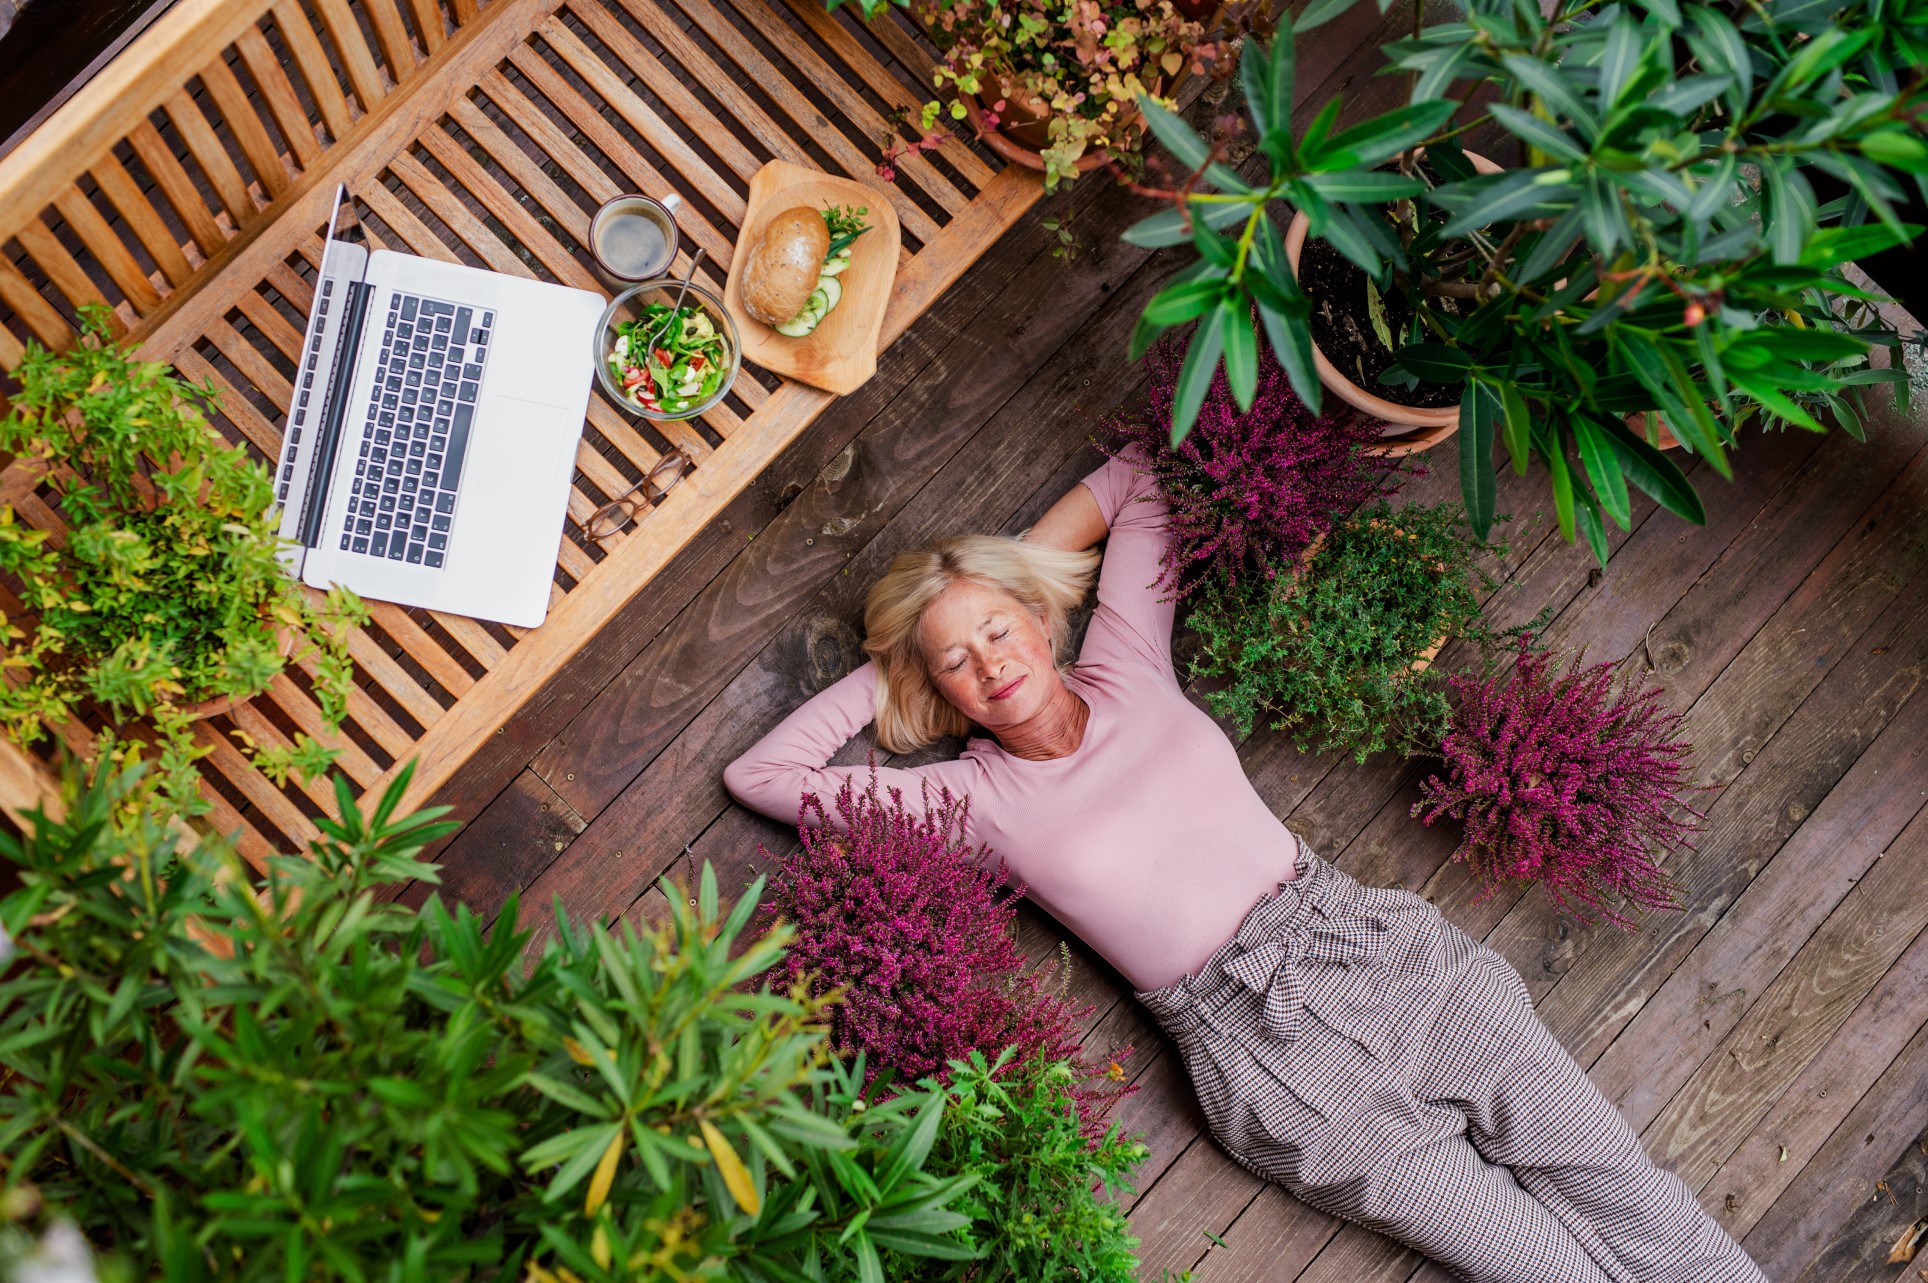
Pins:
x: 690, y: 167
x: 265, y: 436
x: 107, y: 248
x: 263, y: 156
x: 462, y: 167
x: 126, y: 197
x: 48, y: 325
x: 428, y: 21
x: 213, y: 158
x: 398, y: 50
x: 305, y: 44
x: 353, y: 50
x: 278, y: 92
x: 825, y: 27
x: 179, y: 189
x: 869, y: 125
x: 63, y: 273
x: 275, y: 327
x: 426, y: 651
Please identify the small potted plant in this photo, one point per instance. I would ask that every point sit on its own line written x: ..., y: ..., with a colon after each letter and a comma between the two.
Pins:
x: 1338, y: 655
x: 1055, y: 85
x: 1569, y: 777
x: 1250, y: 489
x: 165, y: 600
x: 1658, y: 252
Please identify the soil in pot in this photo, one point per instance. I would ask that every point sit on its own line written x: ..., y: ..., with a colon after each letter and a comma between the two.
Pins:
x: 1342, y: 326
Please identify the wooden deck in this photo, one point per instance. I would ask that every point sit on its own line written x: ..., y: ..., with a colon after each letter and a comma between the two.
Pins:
x: 1768, y: 1039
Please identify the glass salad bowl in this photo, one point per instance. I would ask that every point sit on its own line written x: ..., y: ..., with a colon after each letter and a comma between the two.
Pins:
x: 689, y: 362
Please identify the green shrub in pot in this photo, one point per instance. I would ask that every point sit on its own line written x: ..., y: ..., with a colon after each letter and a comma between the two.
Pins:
x: 1660, y: 253
x: 166, y: 589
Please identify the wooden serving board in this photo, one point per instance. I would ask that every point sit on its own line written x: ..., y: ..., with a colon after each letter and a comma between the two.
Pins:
x: 840, y: 355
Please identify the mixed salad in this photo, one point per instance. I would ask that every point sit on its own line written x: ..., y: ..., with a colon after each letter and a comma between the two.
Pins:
x: 669, y: 364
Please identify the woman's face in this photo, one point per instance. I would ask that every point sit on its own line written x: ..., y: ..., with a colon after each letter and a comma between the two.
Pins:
x: 988, y: 655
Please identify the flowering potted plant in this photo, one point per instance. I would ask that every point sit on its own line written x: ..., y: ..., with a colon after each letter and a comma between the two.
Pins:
x: 1250, y: 489
x: 166, y: 600
x: 1338, y: 655
x: 1568, y: 777
x: 1660, y: 252
x: 1055, y: 85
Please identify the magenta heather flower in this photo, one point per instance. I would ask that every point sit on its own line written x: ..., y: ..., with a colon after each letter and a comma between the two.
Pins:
x: 904, y: 916
x: 1570, y: 778
x: 1249, y: 490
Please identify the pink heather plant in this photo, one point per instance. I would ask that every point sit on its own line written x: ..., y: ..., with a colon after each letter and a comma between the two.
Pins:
x: 1570, y: 778
x: 905, y: 917
x: 1249, y: 490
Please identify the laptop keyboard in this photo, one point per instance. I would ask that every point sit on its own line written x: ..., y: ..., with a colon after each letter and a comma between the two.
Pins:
x: 427, y: 373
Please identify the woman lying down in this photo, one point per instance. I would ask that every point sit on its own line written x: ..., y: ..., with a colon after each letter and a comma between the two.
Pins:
x: 1345, y: 1041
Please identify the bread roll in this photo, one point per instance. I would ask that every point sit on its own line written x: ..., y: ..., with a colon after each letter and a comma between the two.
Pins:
x: 783, y: 268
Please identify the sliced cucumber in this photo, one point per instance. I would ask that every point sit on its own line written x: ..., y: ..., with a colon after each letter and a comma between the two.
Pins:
x: 800, y: 325
x: 818, y: 302
x: 832, y: 290
x: 836, y: 263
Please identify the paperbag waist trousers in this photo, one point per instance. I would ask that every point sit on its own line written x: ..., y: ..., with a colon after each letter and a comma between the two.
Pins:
x: 1386, y: 1068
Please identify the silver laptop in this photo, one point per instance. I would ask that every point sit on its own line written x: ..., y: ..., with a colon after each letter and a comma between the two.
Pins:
x: 433, y: 431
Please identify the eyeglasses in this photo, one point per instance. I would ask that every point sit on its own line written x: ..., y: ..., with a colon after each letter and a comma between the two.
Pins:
x: 627, y: 507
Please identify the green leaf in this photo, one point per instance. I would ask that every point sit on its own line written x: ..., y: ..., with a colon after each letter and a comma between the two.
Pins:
x: 1195, y: 376
x: 1241, y: 350
x: 1267, y: 76
x: 1562, y: 479
x: 1620, y: 58
x: 1655, y: 473
x: 1833, y: 246
x: 1366, y: 188
x: 1897, y: 150
x: 1169, y: 226
x: 1603, y: 471
x: 1592, y: 527
x: 1530, y: 129
x: 1554, y: 88
x: 1477, y: 409
x: 1436, y: 79
x: 1383, y: 137
x: 1518, y: 427
x: 1789, y: 216
x: 1185, y: 301
x: 1320, y: 12
x: 1489, y: 199
x: 1435, y: 362
x: 1290, y: 338
x: 1772, y: 399
x: 1179, y: 138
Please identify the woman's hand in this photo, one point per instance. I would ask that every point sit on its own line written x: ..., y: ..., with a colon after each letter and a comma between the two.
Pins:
x: 1074, y: 523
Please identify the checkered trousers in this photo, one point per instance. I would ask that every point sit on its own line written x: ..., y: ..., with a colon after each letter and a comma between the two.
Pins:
x: 1386, y: 1068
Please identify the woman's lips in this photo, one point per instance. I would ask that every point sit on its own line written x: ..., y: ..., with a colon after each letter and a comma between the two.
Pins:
x: 1004, y: 692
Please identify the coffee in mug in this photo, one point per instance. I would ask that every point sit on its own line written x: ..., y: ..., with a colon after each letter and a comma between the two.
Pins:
x: 633, y: 237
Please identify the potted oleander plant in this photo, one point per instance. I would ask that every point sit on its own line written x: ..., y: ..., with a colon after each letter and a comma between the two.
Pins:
x: 164, y: 601
x: 1055, y: 85
x: 1656, y: 257
x: 1338, y: 654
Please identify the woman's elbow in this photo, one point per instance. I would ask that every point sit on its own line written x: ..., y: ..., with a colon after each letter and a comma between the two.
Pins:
x: 741, y: 779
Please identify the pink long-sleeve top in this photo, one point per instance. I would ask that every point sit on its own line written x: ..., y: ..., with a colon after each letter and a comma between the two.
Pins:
x: 1147, y: 840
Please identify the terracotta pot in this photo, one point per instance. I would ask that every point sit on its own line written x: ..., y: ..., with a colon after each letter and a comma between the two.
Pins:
x: 1663, y: 438
x: 201, y: 710
x: 1409, y: 428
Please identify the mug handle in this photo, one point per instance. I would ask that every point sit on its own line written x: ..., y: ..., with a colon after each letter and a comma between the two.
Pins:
x: 671, y: 202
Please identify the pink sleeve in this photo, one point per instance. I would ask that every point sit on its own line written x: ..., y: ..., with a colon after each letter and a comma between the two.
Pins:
x: 793, y: 759
x: 1134, y: 616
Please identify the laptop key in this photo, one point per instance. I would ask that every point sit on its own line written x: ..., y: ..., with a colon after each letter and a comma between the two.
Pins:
x: 438, y: 541
x: 432, y: 559
x: 360, y: 545
x: 477, y: 337
x: 415, y: 554
x: 445, y: 502
x: 378, y: 545
x: 458, y: 442
x: 408, y: 308
x: 344, y: 543
x: 395, y: 547
x: 468, y: 391
x: 472, y: 371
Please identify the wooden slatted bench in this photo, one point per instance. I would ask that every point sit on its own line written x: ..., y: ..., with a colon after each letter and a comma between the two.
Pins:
x: 187, y: 187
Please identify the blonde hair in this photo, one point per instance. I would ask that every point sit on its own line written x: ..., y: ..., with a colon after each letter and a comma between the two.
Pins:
x: 1049, y: 582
